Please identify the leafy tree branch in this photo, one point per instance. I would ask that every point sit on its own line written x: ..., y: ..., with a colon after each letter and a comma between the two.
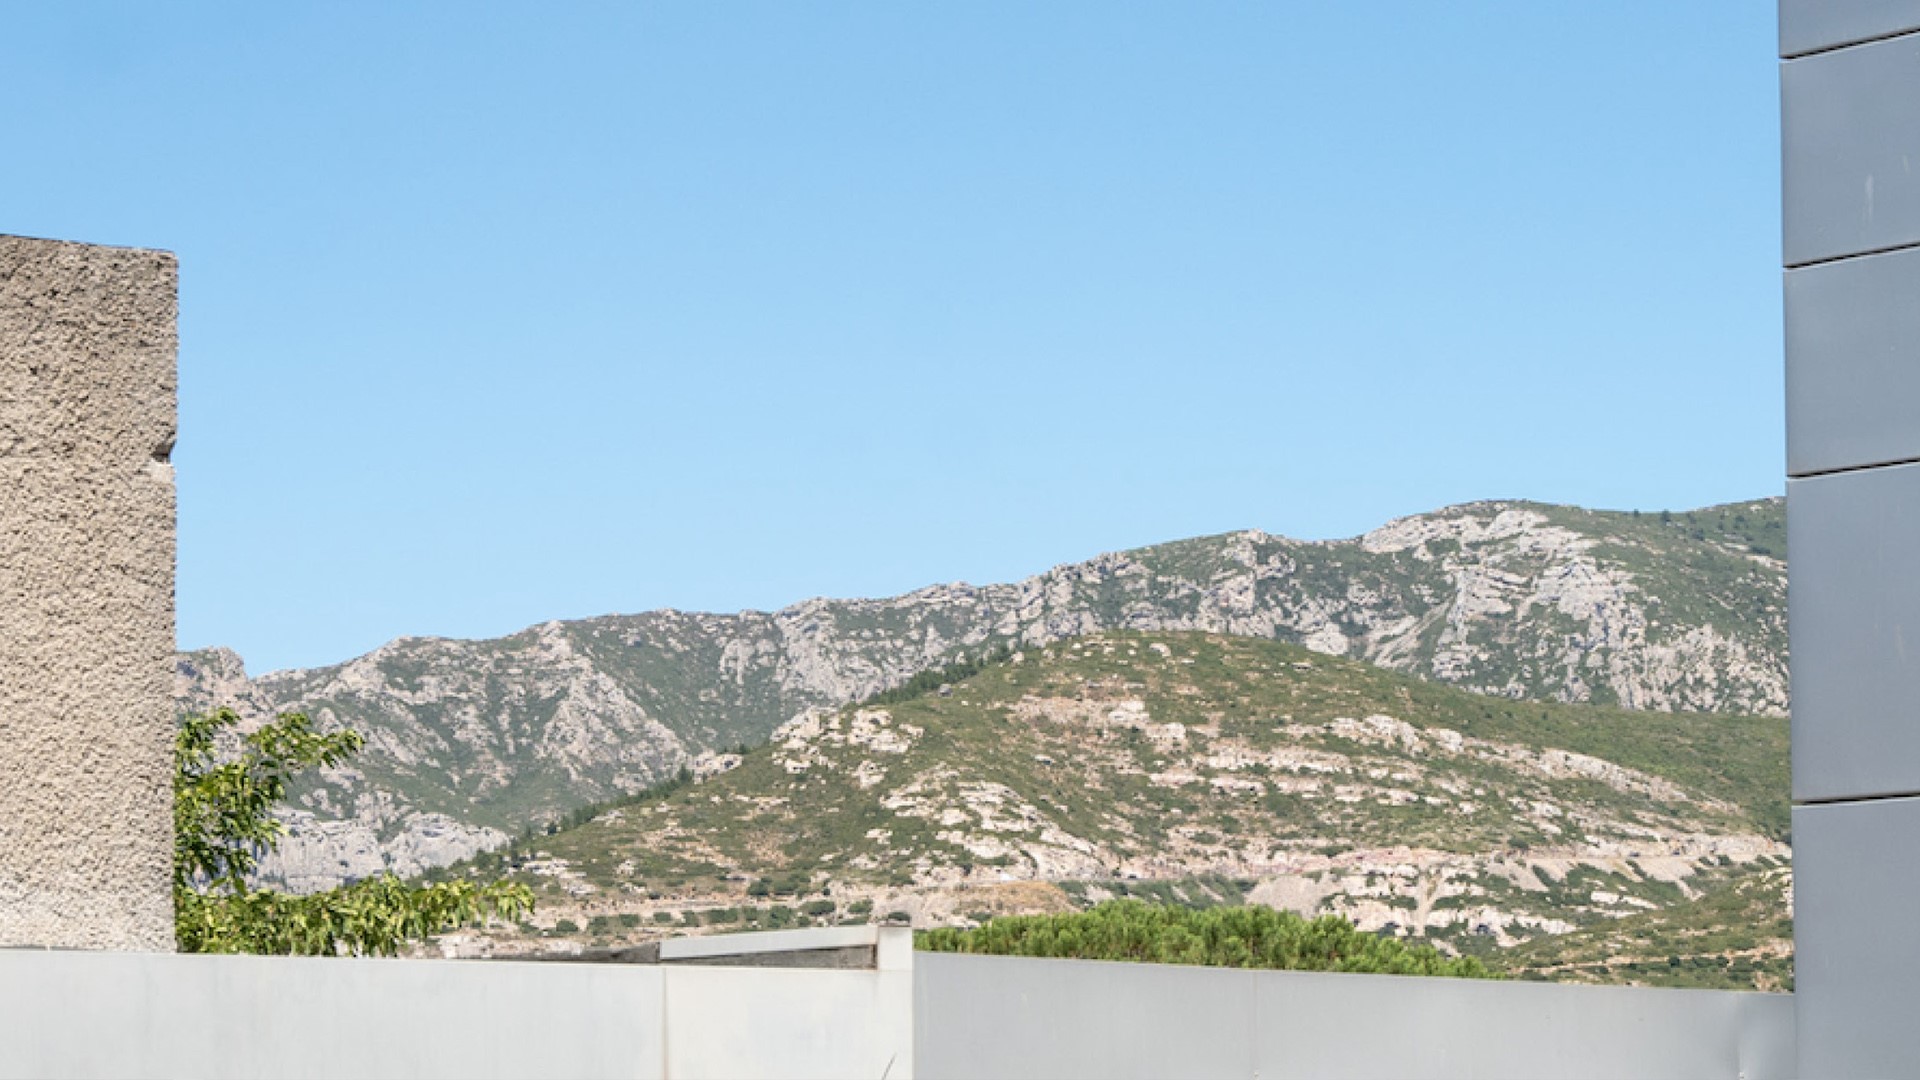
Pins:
x: 223, y: 822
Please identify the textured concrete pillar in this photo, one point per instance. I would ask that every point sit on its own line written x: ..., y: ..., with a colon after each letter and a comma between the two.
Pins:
x: 87, y: 347
x: 1850, y: 184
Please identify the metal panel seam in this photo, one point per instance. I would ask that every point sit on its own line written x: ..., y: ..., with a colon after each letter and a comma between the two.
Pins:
x: 1874, y: 40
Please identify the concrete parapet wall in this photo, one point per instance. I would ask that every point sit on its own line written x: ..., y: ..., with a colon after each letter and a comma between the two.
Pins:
x: 130, y: 1014
x: 78, y: 1014
x: 88, y: 1014
x: 87, y: 385
x: 1006, y: 1017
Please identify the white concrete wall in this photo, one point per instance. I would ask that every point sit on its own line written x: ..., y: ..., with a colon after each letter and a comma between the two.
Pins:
x: 83, y: 1014
x: 729, y: 1022
x: 78, y: 1014
x: 725, y: 1023
x: 1002, y: 1017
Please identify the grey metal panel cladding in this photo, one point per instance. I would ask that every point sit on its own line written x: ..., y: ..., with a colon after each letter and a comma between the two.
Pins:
x: 1853, y: 602
x: 1850, y: 150
x: 1857, y: 946
x: 1853, y: 362
x: 1811, y: 25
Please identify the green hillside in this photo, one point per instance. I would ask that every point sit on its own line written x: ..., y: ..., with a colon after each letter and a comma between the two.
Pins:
x: 1737, y: 936
x: 1218, y: 768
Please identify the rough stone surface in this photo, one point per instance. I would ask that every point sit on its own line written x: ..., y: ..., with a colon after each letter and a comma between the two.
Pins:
x: 87, y: 386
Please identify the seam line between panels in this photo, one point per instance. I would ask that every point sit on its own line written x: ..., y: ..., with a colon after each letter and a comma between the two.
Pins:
x: 1843, y: 470
x: 1874, y: 40
x: 1827, y: 260
x: 1844, y: 800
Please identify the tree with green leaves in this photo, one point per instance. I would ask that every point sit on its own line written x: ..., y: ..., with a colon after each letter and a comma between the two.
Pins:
x: 223, y: 821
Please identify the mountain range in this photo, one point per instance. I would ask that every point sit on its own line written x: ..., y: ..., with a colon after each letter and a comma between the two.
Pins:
x: 472, y: 742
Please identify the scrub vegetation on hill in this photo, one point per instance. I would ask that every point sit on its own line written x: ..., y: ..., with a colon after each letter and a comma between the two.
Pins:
x: 1203, y: 770
x: 1736, y: 936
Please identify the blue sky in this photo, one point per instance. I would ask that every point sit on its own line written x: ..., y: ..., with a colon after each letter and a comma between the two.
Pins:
x: 492, y: 314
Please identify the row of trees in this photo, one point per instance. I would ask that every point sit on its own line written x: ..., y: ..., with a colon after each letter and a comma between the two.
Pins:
x: 928, y: 682
x: 1242, y: 937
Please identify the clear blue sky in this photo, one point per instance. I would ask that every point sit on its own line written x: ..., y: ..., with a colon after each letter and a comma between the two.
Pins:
x: 492, y: 314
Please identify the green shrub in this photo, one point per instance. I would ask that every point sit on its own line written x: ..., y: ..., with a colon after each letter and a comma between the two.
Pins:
x: 1242, y: 937
x: 566, y: 926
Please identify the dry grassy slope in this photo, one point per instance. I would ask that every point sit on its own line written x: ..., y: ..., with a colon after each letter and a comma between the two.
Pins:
x: 1227, y: 767
x: 471, y: 740
x: 1738, y: 935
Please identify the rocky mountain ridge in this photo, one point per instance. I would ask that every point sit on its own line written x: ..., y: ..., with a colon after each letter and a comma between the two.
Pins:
x: 470, y: 741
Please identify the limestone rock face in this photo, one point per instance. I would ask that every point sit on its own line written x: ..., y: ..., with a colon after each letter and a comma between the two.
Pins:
x: 1682, y: 612
x: 318, y: 853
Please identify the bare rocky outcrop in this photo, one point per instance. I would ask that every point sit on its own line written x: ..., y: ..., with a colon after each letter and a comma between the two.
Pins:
x: 319, y: 853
